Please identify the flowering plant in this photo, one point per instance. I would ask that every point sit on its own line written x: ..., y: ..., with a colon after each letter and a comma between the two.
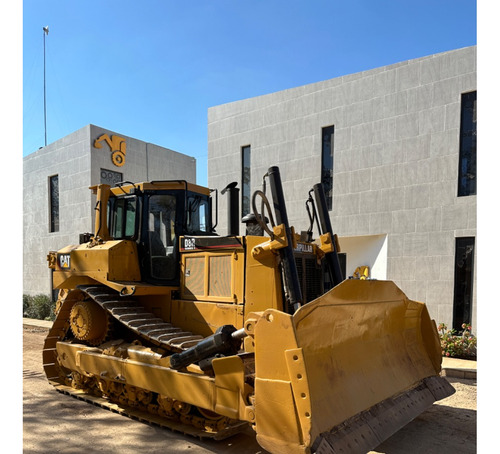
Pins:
x: 458, y: 345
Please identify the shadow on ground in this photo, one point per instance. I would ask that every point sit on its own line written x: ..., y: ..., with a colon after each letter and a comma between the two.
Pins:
x: 57, y: 423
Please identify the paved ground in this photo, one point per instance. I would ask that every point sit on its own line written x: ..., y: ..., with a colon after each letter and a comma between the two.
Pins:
x: 56, y: 423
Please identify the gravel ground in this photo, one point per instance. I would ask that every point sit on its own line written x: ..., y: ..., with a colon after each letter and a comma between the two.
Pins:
x: 56, y: 423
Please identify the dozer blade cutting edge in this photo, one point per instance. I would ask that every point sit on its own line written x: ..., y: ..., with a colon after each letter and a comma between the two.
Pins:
x: 346, y: 371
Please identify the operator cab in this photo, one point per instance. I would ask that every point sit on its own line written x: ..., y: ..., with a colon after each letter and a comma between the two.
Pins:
x: 155, y: 215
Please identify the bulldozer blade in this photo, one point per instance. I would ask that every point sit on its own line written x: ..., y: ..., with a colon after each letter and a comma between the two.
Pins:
x: 359, y: 363
x: 368, y: 429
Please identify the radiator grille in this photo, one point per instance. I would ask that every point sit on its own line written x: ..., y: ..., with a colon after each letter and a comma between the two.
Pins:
x: 310, y: 276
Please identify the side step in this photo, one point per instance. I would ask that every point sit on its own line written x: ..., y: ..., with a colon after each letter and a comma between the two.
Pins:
x: 370, y: 428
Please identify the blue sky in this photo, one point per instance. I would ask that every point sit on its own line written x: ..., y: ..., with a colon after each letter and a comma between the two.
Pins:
x: 152, y: 69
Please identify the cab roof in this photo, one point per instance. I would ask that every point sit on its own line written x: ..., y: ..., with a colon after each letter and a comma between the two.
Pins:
x: 128, y: 187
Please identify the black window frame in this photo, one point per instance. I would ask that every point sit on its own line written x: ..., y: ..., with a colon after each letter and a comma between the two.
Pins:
x: 246, y: 180
x: 113, y: 202
x: 463, y: 292
x: 467, y: 165
x: 54, y: 207
x: 194, y: 203
x: 327, y: 162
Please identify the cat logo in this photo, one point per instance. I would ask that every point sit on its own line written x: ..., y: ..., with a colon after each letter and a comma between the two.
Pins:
x: 117, y: 146
x: 64, y: 262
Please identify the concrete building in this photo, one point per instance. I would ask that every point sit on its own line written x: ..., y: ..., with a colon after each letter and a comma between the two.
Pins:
x: 57, y: 202
x: 395, y: 148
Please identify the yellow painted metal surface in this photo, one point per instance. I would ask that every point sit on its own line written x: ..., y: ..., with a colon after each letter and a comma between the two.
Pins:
x: 194, y: 282
x: 230, y: 388
x: 270, y: 246
x: 263, y: 281
x: 111, y: 261
x: 326, y: 243
x: 159, y: 305
x: 362, y: 272
x: 213, y: 276
x: 158, y: 185
x: 277, y: 422
x: 219, y: 286
x: 101, y: 221
x: 204, y: 317
x: 357, y: 345
x: 362, y: 342
x: 224, y: 394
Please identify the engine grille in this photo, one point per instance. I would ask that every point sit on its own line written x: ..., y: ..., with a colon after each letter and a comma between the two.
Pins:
x: 311, y: 275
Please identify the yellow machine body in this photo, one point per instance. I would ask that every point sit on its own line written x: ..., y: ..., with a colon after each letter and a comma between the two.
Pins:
x: 356, y: 362
x: 337, y: 357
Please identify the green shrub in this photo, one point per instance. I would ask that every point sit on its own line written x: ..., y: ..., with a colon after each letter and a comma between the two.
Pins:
x: 39, y: 307
x: 458, y: 345
x: 26, y: 303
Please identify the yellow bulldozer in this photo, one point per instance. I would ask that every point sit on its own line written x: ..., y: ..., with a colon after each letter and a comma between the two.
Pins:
x: 163, y: 320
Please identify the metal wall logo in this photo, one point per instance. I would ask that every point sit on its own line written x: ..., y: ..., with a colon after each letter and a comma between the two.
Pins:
x: 117, y: 146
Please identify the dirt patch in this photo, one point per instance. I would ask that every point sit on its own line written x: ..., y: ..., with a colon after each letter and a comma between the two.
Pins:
x: 449, y: 426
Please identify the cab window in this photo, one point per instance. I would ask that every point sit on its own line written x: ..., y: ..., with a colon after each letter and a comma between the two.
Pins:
x: 122, y: 217
x: 198, y: 220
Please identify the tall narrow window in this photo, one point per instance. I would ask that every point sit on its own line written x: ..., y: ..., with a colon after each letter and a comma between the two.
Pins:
x: 54, y: 203
x: 468, y: 138
x: 464, y: 278
x: 327, y: 164
x: 245, y: 180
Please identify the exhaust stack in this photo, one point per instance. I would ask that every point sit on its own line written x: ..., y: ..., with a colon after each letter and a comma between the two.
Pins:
x: 233, y: 220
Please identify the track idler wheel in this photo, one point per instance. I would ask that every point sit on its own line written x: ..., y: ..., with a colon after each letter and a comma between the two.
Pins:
x: 89, y: 322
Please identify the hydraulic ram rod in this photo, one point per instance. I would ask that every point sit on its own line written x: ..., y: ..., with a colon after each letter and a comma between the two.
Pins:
x: 332, y: 258
x: 290, y: 274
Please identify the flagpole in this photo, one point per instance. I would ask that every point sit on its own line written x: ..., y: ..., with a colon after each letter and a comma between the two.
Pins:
x: 45, y: 32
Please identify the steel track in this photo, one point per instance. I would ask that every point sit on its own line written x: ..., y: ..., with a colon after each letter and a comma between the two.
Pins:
x: 148, y: 327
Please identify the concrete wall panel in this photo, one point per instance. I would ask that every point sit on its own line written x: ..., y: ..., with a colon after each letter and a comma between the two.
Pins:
x: 78, y: 164
x: 396, y: 147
